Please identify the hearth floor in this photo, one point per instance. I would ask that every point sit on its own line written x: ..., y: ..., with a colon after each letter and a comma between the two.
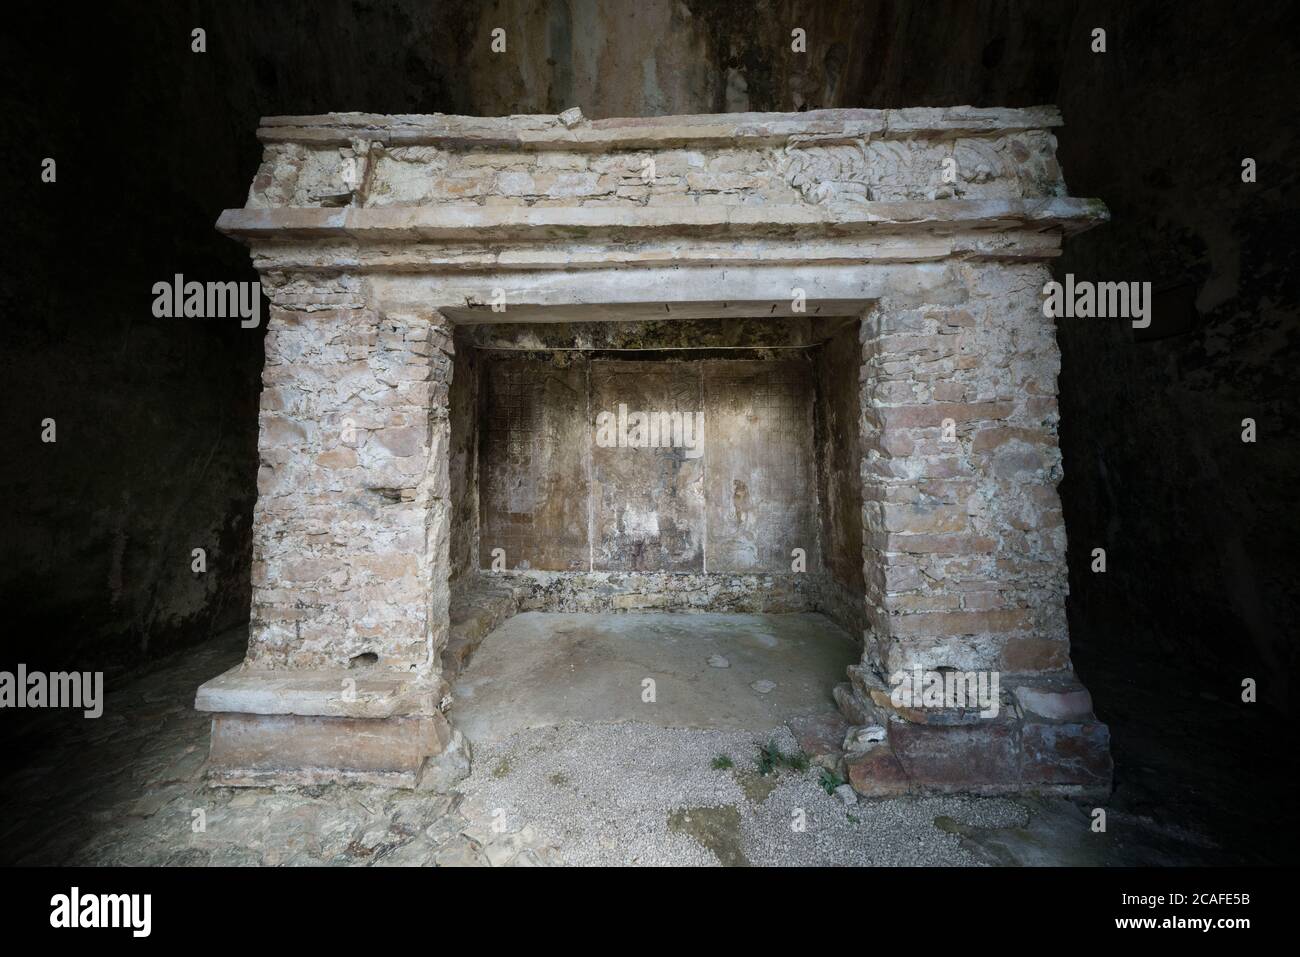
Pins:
x: 727, y: 672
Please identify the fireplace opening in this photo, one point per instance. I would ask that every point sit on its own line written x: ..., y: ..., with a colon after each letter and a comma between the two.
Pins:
x: 656, y: 521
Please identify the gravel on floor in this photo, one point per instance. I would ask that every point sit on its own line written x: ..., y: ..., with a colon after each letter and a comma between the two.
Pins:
x: 129, y: 788
x: 639, y: 794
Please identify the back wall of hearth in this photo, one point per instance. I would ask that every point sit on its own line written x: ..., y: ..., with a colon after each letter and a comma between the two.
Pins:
x: 556, y: 499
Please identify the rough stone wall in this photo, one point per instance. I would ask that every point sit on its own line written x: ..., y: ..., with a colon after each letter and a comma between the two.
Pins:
x: 352, y: 520
x: 964, y: 539
x: 666, y: 591
x: 759, y: 336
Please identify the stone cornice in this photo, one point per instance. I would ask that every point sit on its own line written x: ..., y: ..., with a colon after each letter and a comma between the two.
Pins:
x: 562, y: 132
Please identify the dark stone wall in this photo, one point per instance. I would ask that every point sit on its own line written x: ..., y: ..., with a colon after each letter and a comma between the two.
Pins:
x: 1199, y: 527
x: 156, y: 418
x: 655, y: 57
x: 156, y: 451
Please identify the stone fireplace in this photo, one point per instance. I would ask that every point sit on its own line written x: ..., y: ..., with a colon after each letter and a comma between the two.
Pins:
x: 849, y: 299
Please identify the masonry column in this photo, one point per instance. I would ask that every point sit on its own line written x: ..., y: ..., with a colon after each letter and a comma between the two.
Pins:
x: 350, y: 552
x: 964, y: 550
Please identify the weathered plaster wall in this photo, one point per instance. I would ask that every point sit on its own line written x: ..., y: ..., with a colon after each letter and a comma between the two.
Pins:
x: 462, y: 465
x: 648, y: 505
x: 838, y: 437
x: 760, y: 465
x: 555, y: 500
x: 838, y: 366
x: 534, y: 465
x: 1004, y: 156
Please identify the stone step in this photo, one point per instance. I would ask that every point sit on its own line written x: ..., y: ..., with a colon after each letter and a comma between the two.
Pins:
x: 855, y: 707
x: 477, y: 608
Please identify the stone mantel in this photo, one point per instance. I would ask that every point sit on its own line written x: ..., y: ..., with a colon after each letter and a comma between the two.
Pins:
x: 837, y: 174
x: 931, y: 229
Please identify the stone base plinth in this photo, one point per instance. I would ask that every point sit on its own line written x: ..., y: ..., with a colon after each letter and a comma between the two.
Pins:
x: 1044, y: 739
x: 316, y: 727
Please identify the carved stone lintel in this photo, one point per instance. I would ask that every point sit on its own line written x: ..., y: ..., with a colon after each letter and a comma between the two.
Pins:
x: 828, y: 170
x: 831, y: 170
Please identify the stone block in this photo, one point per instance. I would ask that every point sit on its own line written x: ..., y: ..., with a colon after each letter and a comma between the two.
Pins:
x: 979, y: 758
x: 1055, y: 702
x: 819, y: 736
x: 253, y: 750
x: 877, y: 773
x: 855, y: 707
x: 1035, y: 654
x: 1067, y: 756
x: 933, y: 414
x: 337, y: 693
